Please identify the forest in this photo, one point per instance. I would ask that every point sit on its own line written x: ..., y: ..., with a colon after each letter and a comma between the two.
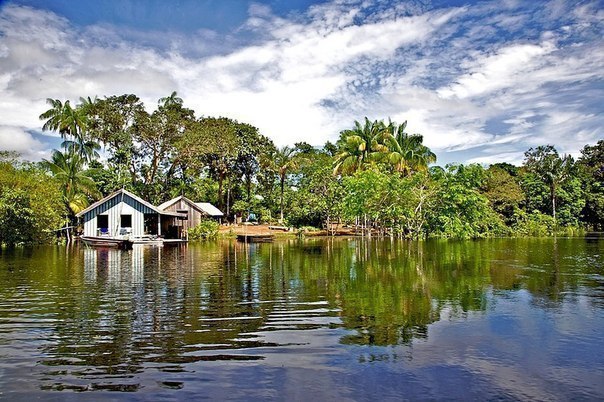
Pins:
x: 376, y: 176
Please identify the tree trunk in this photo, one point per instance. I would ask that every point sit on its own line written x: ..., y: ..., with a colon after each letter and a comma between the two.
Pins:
x: 220, y: 179
x: 228, y: 200
x: 553, y: 191
x: 248, y: 183
x: 282, y: 191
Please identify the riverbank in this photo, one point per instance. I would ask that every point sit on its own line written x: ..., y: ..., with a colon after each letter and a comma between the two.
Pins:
x: 232, y: 231
x: 278, y: 231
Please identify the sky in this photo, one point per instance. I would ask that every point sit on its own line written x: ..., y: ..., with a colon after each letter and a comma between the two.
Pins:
x: 482, y: 81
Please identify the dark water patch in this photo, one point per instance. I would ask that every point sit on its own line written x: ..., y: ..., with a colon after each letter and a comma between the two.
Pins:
x: 172, y: 384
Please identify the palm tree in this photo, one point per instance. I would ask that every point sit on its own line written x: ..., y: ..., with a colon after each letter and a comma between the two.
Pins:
x: 545, y: 162
x: 406, y: 152
x: 171, y: 100
x: 61, y: 117
x: 285, y: 160
x: 71, y: 123
x: 67, y: 168
x: 87, y: 149
x: 358, y: 145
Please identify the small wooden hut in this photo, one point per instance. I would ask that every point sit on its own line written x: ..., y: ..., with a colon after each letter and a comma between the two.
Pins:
x: 195, y: 211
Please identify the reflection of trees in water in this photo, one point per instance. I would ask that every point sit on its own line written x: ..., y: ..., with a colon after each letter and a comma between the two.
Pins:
x: 392, y: 291
x: 119, y: 310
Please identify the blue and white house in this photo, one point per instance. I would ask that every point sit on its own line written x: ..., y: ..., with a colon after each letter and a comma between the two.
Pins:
x: 125, y: 214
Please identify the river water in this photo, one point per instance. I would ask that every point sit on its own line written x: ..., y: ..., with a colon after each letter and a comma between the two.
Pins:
x: 316, y: 319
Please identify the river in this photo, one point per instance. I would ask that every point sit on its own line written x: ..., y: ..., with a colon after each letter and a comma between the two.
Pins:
x: 315, y: 319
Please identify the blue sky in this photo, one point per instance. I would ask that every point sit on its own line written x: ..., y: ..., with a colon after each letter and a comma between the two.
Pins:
x: 482, y: 81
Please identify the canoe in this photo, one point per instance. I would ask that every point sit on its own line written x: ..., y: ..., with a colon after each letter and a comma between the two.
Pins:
x: 105, y: 241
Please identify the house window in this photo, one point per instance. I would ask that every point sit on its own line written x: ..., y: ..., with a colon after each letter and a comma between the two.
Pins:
x: 183, y: 211
x: 126, y: 221
x: 102, y: 224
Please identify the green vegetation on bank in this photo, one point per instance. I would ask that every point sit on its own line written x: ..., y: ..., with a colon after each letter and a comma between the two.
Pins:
x: 377, y: 177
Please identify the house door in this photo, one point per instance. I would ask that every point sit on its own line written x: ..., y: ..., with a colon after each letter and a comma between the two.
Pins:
x: 151, y: 224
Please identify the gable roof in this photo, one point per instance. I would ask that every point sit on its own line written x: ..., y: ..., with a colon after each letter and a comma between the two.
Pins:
x: 209, y: 209
x: 203, y: 207
x: 129, y: 194
x: 174, y: 201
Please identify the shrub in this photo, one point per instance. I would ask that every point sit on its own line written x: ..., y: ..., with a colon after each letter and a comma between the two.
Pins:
x: 533, y: 224
x: 207, y: 229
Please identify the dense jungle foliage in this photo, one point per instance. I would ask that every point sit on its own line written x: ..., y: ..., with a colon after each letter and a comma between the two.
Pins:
x: 377, y: 177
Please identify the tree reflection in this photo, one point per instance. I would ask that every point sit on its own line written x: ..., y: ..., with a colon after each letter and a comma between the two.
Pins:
x: 115, y: 312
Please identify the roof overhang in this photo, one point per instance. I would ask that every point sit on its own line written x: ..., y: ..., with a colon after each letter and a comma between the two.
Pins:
x: 175, y: 214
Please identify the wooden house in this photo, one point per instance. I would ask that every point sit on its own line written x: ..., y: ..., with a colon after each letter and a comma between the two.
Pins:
x: 195, y: 211
x: 123, y: 213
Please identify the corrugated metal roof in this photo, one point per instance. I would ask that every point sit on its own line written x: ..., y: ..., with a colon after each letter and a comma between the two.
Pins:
x: 115, y: 194
x: 129, y: 194
x: 209, y: 209
x: 204, y: 207
x: 168, y: 203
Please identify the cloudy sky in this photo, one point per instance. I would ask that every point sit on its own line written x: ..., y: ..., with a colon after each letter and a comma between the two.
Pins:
x: 482, y: 81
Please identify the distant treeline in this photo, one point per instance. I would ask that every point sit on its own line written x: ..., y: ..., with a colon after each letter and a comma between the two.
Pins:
x: 376, y: 176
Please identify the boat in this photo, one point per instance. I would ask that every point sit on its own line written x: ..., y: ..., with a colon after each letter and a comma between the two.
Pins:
x: 155, y: 240
x: 107, y: 241
x: 255, y: 238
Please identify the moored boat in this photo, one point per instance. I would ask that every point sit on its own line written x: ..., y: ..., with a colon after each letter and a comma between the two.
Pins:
x: 156, y: 241
x: 106, y: 241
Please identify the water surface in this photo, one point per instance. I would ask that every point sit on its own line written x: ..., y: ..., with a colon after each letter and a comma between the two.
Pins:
x: 325, y: 319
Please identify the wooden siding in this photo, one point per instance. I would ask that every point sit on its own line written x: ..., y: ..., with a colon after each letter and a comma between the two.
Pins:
x: 121, y: 204
x: 193, y: 214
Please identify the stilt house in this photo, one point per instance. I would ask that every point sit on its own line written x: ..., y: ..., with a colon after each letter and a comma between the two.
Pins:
x: 123, y: 213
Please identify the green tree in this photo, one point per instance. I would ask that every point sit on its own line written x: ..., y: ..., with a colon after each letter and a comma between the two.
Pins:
x: 72, y: 124
x: 317, y: 200
x: 252, y: 148
x: 504, y: 192
x: 462, y: 211
x: 76, y: 185
x: 406, y: 152
x: 31, y: 204
x: 211, y: 147
x: 553, y: 170
x: 591, y: 170
x: 111, y: 121
x: 284, y: 161
x: 356, y: 146
x: 62, y: 117
x: 158, y: 135
x: 170, y: 101
x: 366, y: 197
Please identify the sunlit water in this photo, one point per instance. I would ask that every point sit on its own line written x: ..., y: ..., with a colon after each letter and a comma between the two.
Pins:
x: 320, y: 319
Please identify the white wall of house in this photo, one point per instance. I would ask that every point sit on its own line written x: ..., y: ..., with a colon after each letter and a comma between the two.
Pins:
x: 114, y: 218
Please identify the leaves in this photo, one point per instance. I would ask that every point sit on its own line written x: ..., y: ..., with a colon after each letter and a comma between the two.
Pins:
x: 31, y: 204
x: 68, y: 170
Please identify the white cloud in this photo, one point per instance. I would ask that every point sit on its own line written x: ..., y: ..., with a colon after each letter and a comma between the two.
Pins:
x: 462, y: 77
x: 515, y: 158
x: 493, y: 72
x: 13, y: 138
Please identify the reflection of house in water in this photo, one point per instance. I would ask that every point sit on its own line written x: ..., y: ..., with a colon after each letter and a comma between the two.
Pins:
x: 125, y: 266
x: 102, y: 263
